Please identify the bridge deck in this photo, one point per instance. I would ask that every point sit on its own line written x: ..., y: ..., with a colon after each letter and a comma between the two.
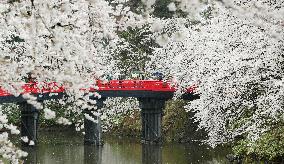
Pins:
x: 112, y: 88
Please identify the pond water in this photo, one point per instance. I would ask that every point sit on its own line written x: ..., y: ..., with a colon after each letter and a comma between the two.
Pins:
x: 68, y: 148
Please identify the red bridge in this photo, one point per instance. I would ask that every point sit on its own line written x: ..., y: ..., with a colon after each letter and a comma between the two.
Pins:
x: 112, y: 88
x: 151, y: 94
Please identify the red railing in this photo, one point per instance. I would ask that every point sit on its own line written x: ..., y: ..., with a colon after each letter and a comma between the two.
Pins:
x: 35, y: 88
x: 147, y: 85
x: 112, y: 85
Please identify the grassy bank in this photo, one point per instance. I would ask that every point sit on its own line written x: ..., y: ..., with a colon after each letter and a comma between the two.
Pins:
x: 177, y: 125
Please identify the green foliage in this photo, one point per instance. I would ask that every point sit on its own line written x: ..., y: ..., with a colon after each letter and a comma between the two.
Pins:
x: 179, y: 125
x: 161, y: 10
x: 270, y: 146
x: 242, y: 119
x: 61, y: 111
x: 13, y: 1
x: 127, y: 124
x: 136, y: 6
x: 3, y: 160
x: 137, y: 52
x: 140, y: 44
x: 207, y: 14
x: 15, y: 39
x: 13, y: 113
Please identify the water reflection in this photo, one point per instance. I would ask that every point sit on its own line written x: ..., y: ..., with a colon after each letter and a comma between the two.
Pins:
x: 92, y: 154
x: 151, y: 154
x: 68, y: 148
x: 32, y: 157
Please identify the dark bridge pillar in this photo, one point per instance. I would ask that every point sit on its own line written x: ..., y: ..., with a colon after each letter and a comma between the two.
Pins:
x: 151, y: 113
x: 93, y: 131
x: 29, y: 121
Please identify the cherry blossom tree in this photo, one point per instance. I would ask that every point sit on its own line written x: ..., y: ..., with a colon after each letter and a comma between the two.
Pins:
x: 70, y: 42
x: 233, y: 51
x: 114, y: 110
x: 235, y: 60
x: 63, y: 41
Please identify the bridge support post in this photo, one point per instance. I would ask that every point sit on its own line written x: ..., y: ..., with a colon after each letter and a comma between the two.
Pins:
x: 151, y: 114
x: 93, y: 130
x: 29, y: 122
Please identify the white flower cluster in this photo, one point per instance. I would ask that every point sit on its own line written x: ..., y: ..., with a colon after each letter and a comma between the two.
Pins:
x: 60, y: 41
x: 31, y: 99
x: 49, y: 114
x: 9, y: 151
x: 63, y: 41
x: 88, y: 117
x: 115, y: 108
x: 26, y: 140
x: 5, y: 125
x: 63, y: 121
x: 236, y: 64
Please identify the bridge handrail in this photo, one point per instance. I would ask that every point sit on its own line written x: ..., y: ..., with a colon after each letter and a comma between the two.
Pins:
x: 151, y: 85
x: 35, y: 88
x: 112, y: 85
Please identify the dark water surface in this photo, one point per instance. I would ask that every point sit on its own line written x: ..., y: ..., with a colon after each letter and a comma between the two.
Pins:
x: 68, y: 148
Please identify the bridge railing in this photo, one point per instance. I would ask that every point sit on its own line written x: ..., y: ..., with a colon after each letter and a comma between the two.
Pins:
x: 191, y: 89
x: 149, y: 85
x: 112, y: 85
x: 35, y: 88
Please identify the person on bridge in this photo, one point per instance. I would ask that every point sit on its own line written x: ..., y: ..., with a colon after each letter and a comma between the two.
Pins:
x: 158, y: 76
